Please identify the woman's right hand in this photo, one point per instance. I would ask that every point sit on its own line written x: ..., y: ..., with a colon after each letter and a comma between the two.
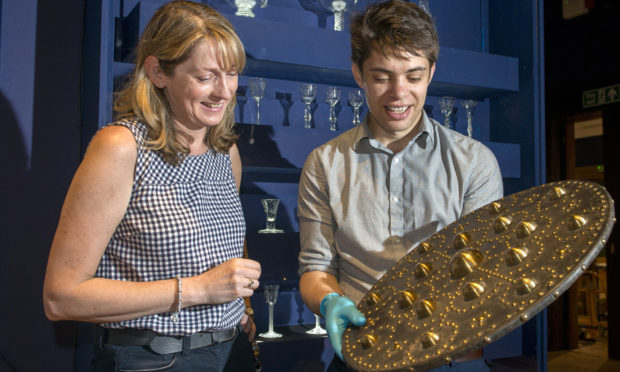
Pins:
x: 232, y: 279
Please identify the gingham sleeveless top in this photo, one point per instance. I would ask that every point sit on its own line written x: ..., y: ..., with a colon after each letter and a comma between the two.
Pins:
x: 183, y: 220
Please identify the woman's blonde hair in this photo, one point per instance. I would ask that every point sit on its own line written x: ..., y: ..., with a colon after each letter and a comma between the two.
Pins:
x: 170, y: 36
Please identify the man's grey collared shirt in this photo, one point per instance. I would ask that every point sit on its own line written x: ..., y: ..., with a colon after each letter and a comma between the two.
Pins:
x: 362, y: 207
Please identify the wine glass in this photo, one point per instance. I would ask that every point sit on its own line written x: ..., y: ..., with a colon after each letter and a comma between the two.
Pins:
x: 338, y: 7
x: 257, y: 92
x: 446, y: 104
x: 271, y: 296
x: 286, y: 103
x: 317, y: 330
x: 332, y: 97
x: 356, y: 98
x: 308, y: 94
x: 244, y: 7
x: 271, y: 208
x: 423, y: 4
x: 470, y: 107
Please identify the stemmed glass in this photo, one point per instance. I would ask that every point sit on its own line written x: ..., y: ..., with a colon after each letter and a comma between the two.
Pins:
x: 308, y: 94
x: 271, y: 296
x: 423, y: 4
x: 338, y: 7
x: 446, y: 104
x: 470, y: 107
x: 317, y: 330
x: 271, y: 208
x: 244, y: 7
x: 257, y: 92
x: 356, y: 98
x: 332, y: 97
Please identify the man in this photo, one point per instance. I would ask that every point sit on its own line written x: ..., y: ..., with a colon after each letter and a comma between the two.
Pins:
x: 369, y: 196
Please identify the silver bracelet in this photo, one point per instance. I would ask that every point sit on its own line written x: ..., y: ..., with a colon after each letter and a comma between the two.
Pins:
x: 175, y: 316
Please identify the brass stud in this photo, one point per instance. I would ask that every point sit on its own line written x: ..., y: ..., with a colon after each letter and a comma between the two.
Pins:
x: 473, y: 290
x: 525, y: 229
x: 462, y: 240
x: 525, y: 286
x: 425, y: 308
x: 368, y: 341
x: 424, y: 247
x: 516, y: 255
x: 501, y: 224
x: 464, y: 263
x: 495, y: 207
x: 429, y: 339
x: 576, y: 222
x: 422, y: 270
x: 405, y: 299
x: 557, y: 192
x: 372, y: 299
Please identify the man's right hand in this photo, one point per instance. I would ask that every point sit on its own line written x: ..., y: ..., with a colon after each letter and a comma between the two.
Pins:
x: 338, y: 312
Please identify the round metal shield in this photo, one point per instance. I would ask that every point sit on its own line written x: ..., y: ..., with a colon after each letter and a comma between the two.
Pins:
x: 480, y: 277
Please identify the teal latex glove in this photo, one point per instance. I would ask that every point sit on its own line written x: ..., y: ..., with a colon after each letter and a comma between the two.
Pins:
x: 338, y: 312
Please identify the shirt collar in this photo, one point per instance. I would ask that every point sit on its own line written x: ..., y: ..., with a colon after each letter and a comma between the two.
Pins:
x: 426, y: 133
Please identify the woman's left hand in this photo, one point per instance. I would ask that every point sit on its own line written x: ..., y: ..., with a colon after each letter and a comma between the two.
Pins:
x: 248, y: 326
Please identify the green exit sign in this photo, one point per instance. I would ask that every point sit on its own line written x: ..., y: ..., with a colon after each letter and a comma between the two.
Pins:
x: 601, y: 96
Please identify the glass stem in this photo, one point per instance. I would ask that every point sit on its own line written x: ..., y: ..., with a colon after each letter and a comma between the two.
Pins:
x: 307, y: 116
x: 470, y: 128
x: 258, y: 111
x: 332, y: 118
x: 270, y: 318
x: 338, y: 20
x: 356, y: 116
x: 446, y: 121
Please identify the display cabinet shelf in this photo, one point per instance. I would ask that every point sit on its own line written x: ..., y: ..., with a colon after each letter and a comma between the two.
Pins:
x: 310, y: 54
x: 293, y: 332
x: 302, y: 53
x: 271, y: 174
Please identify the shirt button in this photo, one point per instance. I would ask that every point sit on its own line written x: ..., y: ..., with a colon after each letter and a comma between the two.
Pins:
x: 395, y: 199
x: 396, y: 160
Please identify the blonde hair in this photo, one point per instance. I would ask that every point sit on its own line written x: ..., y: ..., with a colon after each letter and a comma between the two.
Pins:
x: 170, y: 36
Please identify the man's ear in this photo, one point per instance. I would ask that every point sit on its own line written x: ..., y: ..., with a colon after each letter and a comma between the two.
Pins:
x: 154, y: 71
x: 357, y: 75
x: 430, y: 77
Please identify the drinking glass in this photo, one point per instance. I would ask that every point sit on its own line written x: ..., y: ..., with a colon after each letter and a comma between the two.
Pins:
x: 271, y: 208
x: 271, y: 296
x: 470, y: 107
x: 446, y: 104
x: 356, y: 98
x: 423, y: 4
x: 332, y: 97
x: 286, y: 103
x: 308, y: 94
x: 257, y: 92
x: 317, y: 330
x: 244, y: 7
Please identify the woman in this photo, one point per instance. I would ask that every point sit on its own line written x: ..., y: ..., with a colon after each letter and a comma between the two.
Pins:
x: 150, y: 237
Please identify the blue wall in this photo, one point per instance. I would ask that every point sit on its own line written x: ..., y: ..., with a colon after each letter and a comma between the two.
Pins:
x: 40, y: 59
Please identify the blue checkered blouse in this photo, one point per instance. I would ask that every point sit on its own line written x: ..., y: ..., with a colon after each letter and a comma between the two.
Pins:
x: 184, y: 220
